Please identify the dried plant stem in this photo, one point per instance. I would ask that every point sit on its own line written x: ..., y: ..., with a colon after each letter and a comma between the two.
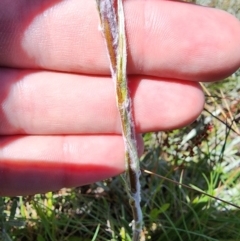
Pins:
x: 113, y: 27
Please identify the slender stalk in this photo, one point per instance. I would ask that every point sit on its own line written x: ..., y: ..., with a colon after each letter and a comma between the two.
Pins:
x: 113, y: 27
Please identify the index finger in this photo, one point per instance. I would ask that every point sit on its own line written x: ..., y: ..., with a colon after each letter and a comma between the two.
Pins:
x: 166, y: 39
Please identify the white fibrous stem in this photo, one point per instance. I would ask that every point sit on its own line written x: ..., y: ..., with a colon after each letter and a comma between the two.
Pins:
x: 113, y: 28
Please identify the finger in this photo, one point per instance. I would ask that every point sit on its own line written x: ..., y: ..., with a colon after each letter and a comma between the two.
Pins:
x: 165, y: 38
x: 52, y: 162
x: 38, y: 102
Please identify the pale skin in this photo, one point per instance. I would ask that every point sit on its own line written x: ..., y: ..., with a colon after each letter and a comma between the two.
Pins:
x: 59, y: 121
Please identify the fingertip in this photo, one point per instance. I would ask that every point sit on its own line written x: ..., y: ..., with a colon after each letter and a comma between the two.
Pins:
x: 166, y: 104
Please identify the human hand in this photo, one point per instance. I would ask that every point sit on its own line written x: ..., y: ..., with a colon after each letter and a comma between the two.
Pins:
x: 59, y: 121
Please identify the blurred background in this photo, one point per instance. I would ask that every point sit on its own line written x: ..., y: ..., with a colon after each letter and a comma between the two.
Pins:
x: 232, y: 6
